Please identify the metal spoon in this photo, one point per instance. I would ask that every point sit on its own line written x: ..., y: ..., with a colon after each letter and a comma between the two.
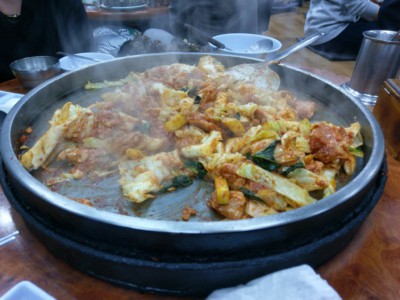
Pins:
x: 262, y: 45
x: 276, y: 57
x: 260, y: 74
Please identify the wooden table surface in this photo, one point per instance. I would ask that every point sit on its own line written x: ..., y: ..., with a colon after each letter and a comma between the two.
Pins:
x: 98, y: 14
x: 368, y: 268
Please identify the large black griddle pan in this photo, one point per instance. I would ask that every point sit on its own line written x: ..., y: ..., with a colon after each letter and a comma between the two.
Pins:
x: 159, y: 231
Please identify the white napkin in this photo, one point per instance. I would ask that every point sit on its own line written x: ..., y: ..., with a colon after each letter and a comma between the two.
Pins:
x: 299, y: 282
x: 26, y: 290
x: 8, y: 100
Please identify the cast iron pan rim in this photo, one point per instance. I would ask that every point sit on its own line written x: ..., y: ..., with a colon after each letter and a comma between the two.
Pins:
x: 30, y: 183
x: 314, y: 253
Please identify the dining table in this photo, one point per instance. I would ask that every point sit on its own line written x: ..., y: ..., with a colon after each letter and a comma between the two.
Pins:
x: 367, y: 268
x: 141, y: 18
x: 96, y: 13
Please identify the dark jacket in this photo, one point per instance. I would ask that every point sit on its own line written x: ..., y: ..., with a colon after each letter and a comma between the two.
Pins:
x: 43, y: 28
x: 219, y: 16
x: 389, y: 15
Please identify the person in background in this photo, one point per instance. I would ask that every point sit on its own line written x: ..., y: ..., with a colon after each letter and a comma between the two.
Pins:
x: 344, y: 21
x: 215, y: 17
x: 41, y: 27
x: 389, y: 15
x: 210, y: 16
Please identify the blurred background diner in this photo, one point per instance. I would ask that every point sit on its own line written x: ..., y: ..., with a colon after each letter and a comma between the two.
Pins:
x: 344, y: 22
x: 130, y: 27
x: 215, y: 17
x: 167, y: 27
x: 41, y: 27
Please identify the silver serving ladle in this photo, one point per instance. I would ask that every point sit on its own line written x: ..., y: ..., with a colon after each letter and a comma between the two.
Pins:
x: 262, y: 45
x: 260, y: 74
x: 276, y: 57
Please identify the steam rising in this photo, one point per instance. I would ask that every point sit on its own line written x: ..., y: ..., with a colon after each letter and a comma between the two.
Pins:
x: 219, y: 16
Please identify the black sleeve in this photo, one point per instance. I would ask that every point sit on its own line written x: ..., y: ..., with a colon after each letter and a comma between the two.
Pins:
x: 210, y: 16
x: 179, y: 14
x: 75, y: 32
x: 389, y: 15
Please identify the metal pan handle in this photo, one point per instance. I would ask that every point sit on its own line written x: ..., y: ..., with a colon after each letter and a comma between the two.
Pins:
x: 296, y: 47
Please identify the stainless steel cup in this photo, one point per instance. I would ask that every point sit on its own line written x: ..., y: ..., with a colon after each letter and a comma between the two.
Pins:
x: 378, y: 60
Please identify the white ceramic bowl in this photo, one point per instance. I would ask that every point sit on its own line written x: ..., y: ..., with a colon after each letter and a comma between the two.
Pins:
x: 69, y: 63
x: 243, y: 44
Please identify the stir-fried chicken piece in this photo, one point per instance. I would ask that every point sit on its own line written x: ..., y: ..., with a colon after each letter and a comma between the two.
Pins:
x: 234, y: 210
x: 85, y: 201
x: 85, y: 161
x: 305, y: 109
x: 329, y: 142
x: 202, y: 122
x: 187, y: 212
x: 176, y: 75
